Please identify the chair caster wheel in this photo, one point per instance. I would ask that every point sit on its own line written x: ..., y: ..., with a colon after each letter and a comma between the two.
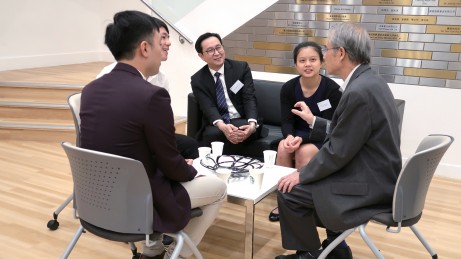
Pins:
x: 53, y: 224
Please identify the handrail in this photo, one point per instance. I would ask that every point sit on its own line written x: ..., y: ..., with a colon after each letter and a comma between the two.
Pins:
x: 182, y: 36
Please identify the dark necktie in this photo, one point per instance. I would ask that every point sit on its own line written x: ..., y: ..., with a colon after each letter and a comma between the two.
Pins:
x: 221, y: 98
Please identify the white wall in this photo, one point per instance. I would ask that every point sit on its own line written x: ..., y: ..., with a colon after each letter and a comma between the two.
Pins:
x: 431, y: 110
x: 221, y: 16
x: 49, y: 33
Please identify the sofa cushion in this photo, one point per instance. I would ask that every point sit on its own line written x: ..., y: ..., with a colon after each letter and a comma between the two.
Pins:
x: 271, y: 141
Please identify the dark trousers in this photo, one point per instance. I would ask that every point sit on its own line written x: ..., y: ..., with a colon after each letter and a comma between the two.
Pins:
x: 212, y: 133
x: 298, y: 220
x: 187, y: 146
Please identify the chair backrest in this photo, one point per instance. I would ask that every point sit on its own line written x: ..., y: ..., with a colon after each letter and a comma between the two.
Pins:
x: 74, y: 103
x: 416, y: 175
x: 112, y: 192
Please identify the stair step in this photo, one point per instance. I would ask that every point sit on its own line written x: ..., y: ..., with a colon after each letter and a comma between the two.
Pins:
x: 36, y: 126
x: 26, y: 121
x: 37, y: 92
x: 33, y: 102
x: 37, y: 132
x: 35, y: 111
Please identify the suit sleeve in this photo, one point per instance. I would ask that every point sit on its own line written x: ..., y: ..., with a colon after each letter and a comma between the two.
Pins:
x: 352, y: 129
x: 205, y: 98
x: 321, y: 127
x: 249, y: 98
x: 162, y: 141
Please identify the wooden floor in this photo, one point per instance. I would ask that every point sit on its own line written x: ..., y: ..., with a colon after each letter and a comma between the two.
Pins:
x: 35, y: 179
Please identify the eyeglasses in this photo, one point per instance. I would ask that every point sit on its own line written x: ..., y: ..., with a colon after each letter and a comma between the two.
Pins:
x: 218, y: 48
x: 325, y: 49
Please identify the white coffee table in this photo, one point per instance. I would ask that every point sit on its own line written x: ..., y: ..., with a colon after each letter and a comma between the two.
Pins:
x: 243, y: 192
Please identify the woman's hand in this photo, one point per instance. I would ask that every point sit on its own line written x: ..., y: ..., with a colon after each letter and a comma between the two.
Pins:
x: 291, y: 143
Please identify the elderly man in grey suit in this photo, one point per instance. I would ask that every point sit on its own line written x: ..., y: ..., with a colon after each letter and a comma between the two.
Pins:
x: 353, y: 175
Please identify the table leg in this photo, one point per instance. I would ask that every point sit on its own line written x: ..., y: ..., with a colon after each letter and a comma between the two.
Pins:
x: 249, y: 228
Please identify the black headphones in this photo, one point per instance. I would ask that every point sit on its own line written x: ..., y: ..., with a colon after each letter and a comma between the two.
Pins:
x: 239, y: 165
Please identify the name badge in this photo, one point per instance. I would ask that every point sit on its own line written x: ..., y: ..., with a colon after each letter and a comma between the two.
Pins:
x: 236, y: 87
x: 324, y: 105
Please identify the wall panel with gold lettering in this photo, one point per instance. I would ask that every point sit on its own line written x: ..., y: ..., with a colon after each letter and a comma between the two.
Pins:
x: 414, y: 41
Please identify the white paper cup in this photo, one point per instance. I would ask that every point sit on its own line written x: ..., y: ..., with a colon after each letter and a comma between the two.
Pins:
x: 223, y: 174
x: 258, y: 177
x: 203, y: 151
x: 217, y: 147
x: 269, y: 158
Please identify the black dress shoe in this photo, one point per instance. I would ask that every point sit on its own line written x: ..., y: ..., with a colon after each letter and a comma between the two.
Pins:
x: 338, y: 252
x: 167, y: 240
x: 301, y: 255
x: 160, y: 256
x: 273, y: 217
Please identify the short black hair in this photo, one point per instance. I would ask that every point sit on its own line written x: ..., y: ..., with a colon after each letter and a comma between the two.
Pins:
x: 161, y: 24
x: 127, y: 31
x: 306, y: 44
x: 198, y: 43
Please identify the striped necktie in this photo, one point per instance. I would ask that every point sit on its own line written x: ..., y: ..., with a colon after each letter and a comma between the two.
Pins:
x: 221, y: 98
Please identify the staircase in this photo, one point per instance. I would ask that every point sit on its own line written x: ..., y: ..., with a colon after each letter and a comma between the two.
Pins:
x: 33, y: 102
x: 36, y: 111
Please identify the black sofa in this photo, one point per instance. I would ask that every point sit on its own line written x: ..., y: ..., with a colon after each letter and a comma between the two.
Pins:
x: 268, y: 101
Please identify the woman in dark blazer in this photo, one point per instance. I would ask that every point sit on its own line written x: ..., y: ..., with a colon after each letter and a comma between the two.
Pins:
x: 321, y: 94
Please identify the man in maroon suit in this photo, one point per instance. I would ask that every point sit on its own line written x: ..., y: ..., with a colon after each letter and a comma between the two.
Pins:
x: 123, y: 114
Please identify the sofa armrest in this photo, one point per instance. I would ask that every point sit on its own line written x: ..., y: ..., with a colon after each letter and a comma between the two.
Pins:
x: 400, y: 104
x: 194, y: 116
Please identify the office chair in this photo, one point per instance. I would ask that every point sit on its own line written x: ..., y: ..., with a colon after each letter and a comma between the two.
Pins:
x: 112, y: 187
x: 74, y: 103
x: 409, y: 195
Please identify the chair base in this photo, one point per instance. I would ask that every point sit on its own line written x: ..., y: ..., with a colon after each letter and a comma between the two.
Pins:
x: 181, y: 238
x: 53, y: 224
x: 370, y: 243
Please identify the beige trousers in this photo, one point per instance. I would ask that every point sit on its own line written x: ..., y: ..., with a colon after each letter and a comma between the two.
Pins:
x: 208, y: 193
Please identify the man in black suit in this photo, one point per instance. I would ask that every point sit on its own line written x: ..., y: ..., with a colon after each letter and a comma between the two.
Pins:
x: 352, y: 177
x: 226, y: 95
x: 123, y: 114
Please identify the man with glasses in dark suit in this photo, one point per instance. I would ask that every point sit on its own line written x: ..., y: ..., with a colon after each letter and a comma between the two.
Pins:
x: 226, y: 95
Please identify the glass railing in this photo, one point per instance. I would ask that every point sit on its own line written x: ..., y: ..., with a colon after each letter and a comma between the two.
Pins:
x: 172, y: 11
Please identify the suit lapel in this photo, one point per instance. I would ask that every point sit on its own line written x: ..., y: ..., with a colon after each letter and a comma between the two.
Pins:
x: 208, y: 80
x: 229, y: 77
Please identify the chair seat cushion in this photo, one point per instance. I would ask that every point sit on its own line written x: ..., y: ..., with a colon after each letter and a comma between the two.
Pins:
x: 386, y: 219
x: 126, y: 237
x: 114, y: 236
